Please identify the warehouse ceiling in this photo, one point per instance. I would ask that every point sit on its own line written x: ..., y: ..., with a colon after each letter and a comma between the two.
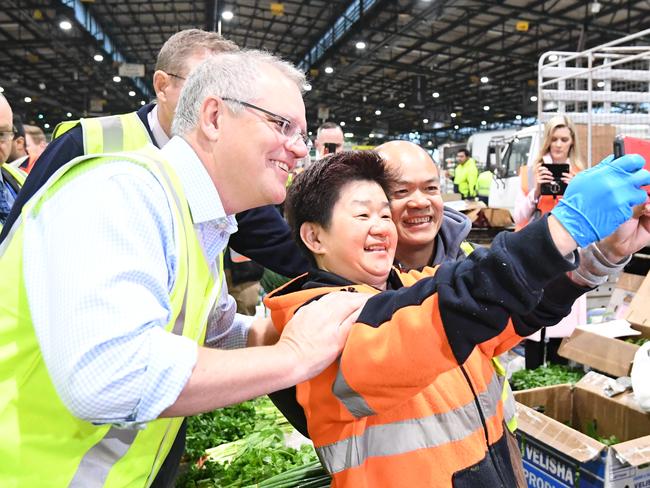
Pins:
x: 422, y: 60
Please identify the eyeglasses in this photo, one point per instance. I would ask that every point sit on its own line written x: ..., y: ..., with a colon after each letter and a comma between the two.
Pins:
x: 286, y: 127
x: 7, y: 135
x: 176, y: 76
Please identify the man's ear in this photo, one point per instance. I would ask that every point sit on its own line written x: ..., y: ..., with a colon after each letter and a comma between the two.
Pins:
x: 210, y: 117
x: 310, y: 234
x: 161, y: 81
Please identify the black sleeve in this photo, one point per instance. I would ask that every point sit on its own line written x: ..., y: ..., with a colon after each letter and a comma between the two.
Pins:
x: 516, y: 278
x: 264, y: 236
x: 56, y: 154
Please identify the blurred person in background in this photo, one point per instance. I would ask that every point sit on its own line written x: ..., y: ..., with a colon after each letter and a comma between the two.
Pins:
x: 11, y: 179
x: 329, y: 139
x: 36, y: 143
x: 559, y: 146
x: 465, y: 175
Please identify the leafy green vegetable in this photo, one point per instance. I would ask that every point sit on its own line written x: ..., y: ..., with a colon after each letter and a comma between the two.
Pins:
x: 551, y: 374
x: 639, y: 341
x: 238, y: 446
x: 592, y: 432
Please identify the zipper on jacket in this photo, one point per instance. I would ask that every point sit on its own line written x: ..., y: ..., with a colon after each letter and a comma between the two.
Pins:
x: 497, y: 465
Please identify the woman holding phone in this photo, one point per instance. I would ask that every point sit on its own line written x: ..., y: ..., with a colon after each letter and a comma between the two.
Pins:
x: 539, y: 193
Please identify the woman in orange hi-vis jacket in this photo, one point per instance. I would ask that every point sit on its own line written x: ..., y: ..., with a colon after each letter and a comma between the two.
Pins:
x: 413, y: 400
x: 559, y: 147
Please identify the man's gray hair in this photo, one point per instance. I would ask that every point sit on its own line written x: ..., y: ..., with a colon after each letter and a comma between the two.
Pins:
x: 228, y: 75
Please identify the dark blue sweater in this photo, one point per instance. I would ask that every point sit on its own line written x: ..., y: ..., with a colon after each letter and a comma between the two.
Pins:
x: 263, y: 234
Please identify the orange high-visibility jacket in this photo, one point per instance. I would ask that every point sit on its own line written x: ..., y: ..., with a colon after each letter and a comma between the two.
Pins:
x: 414, y: 400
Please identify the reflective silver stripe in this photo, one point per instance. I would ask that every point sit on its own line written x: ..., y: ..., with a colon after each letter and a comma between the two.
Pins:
x: 112, y: 133
x: 98, y: 461
x: 354, y: 402
x: 509, y: 408
x: 409, y: 435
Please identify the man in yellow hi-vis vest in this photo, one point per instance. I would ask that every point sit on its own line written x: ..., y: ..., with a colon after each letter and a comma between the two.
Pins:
x: 465, y: 174
x: 262, y: 234
x: 109, y: 303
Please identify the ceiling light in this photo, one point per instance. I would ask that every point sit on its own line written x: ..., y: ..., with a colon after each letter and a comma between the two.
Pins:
x: 595, y: 7
x: 143, y: 103
x: 117, y: 79
x: 453, y: 115
x: 306, y: 87
x: 98, y: 57
x: 27, y: 99
x: 69, y: 114
x: 47, y: 126
x: 483, y: 122
x: 381, y: 136
x: 348, y: 134
x: 377, y: 112
x: 65, y: 25
x: 552, y: 57
x: 533, y: 98
x: 40, y: 116
x: 486, y: 108
x: 42, y: 86
x: 371, y: 135
x: 429, y: 143
x: 329, y: 70
x: 342, y: 123
x: 360, y: 45
x: 357, y: 118
x: 227, y: 15
x: 456, y: 127
x: 426, y: 121
x: 2, y: 89
x: 131, y: 93
x: 435, y: 94
x: 401, y: 105
x: 484, y: 79
x: 600, y: 84
x: 518, y: 117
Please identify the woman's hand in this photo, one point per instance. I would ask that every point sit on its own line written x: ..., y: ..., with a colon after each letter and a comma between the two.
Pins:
x: 542, y: 175
x: 567, y: 177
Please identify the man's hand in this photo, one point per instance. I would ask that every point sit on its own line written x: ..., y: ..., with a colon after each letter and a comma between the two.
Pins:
x: 630, y: 237
x: 317, y: 332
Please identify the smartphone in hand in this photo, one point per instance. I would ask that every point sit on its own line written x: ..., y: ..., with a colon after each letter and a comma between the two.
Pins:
x: 557, y: 186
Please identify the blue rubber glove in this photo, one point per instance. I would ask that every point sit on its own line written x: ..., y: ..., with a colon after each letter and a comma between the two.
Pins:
x: 600, y: 199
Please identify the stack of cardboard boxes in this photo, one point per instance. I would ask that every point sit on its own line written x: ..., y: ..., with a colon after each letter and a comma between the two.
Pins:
x: 554, y: 421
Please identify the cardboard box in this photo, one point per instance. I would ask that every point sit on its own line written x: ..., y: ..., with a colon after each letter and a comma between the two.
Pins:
x: 622, y: 295
x: 597, y: 347
x: 556, y: 452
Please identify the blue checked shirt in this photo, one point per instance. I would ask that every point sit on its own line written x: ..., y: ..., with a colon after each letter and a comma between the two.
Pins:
x: 100, y: 262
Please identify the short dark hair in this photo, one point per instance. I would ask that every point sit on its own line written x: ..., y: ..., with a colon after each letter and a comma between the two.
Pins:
x: 19, y: 128
x: 463, y: 150
x: 315, y: 191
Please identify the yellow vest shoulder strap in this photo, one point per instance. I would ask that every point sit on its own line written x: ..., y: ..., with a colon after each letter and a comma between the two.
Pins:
x: 113, y: 133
